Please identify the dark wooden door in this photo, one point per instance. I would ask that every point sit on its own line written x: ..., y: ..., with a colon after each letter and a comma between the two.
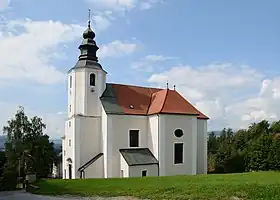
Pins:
x: 70, y: 171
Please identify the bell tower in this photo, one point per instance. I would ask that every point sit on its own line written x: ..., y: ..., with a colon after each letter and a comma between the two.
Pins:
x: 86, y: 83
x: 90, y: 78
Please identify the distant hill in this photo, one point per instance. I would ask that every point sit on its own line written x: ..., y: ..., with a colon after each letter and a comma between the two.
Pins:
x: 217, y: 133
x: 57, y: 143
x: 2, y: 141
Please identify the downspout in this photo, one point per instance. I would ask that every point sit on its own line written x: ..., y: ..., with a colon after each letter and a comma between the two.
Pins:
x: 158, y: 142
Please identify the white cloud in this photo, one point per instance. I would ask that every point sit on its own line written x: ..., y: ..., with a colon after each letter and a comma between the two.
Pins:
x: 4, y: 4
x: 121, y: 6
x: 116, y: 5
x: 231, y: 95
x: 101, y: 22
x: 158, y: 58
x: 27, y: 48
x: 148, y: 63
x: 264, y: 105
x: 148, y: 4
x: 211, y: 80
x: 106, y: 11
x: 54, y: 121
x: 116, y: 49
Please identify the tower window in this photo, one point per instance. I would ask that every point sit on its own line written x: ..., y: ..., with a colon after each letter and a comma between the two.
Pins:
x: 134, y: 138
x: 70, y: 82
x: 178, y: 153
x: 69, y: 143
x: 92, y: 80
x: 70, y: 108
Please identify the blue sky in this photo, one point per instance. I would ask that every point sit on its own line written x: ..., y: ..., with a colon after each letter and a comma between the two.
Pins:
x: 222, y: 55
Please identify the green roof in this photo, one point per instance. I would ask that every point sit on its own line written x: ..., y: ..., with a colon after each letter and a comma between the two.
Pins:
x: 138, y: 156
x: 109, y: 101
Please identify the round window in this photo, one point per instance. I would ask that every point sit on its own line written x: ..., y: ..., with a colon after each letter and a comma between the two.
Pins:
x: 178, y: 133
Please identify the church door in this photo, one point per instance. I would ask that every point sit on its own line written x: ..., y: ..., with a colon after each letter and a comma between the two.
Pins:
x: 70, y: 171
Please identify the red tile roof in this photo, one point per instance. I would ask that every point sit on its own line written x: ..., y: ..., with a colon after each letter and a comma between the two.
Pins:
x: 147, y: 101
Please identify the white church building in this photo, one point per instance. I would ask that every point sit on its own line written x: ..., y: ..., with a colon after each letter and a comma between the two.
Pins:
x: 115, y: 130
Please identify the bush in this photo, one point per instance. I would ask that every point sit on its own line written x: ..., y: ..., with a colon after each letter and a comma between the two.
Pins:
x: 9, y: 179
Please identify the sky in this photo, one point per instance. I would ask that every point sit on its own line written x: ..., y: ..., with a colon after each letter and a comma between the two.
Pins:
x: 223, y: 56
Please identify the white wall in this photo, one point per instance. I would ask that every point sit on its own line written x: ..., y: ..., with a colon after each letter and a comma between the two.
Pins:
x: 104, y: 127
x: 63, y: 158
x: 201, y: 146
x: 124, y: 167
x: 168, y: 124
x: 118, y: 127
x: 85, y: 117
x: 93, y: 103
x: 88, y: 145
x: 69, y: 135
x: 90, y: 140
x: 136, y: 171
x: 70, y: 93
x: 153, y: 134
x: 151, y: 130
x: 95, y: 170
x: 83, y: 98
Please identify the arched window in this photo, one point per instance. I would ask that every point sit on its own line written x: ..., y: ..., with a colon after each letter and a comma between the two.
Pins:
x: 178, y: 133
x: 92, y: 80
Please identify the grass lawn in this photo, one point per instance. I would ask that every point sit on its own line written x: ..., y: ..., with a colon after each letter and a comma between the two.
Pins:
x: 258, y: 185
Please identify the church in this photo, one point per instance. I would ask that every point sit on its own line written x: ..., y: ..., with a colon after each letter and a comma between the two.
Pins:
x: 115, y: 130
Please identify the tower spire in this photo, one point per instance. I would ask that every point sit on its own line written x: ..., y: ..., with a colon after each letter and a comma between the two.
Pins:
x: 88, y: 47
x: 89, y: 17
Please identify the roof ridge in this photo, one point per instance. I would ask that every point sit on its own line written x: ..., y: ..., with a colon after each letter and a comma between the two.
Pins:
x: 164, y: 100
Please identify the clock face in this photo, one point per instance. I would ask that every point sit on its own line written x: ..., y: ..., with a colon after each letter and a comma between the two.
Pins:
x: 178, y: 133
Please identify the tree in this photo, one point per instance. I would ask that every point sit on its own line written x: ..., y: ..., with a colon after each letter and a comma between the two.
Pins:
x: 275, y: 127
x: 3, y: 161
x: 213, y: 144
x: 255, y: 148
x: 27, y: 148
x: 8, y: 181
x: 15, y: 131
